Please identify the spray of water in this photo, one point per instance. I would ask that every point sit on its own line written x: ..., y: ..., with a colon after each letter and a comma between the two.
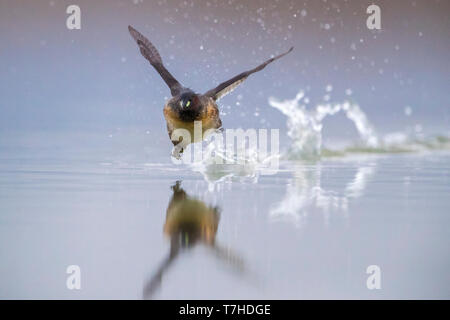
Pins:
x: 219, y: 159
x: 305, y: 131
x: 305, y: 126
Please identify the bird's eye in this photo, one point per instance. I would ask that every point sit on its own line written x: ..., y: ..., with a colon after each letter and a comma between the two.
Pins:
x: 188, y: 103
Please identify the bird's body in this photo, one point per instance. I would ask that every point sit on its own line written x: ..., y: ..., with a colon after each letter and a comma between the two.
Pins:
x: 186, y: 107
x: 207, y: 114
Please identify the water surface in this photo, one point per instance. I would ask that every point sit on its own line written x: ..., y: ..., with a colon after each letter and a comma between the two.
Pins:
x: 309, y: 231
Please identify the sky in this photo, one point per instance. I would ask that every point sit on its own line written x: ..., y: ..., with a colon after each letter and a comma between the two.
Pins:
x: 53, y: 78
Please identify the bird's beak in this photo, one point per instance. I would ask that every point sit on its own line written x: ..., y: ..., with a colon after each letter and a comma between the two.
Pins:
x: 181, y: 103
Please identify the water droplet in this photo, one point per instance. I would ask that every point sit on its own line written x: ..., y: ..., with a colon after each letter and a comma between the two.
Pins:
x: 418, y: 128
x: 408, y: 111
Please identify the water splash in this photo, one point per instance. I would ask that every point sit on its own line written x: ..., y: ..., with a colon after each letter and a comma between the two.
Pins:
x: 216, y: 166
x: 305, y: 131
x: 226, y: 162
x: 305, y: 126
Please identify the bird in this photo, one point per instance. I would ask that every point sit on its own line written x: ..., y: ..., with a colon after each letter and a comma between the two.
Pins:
x: 186, y: 107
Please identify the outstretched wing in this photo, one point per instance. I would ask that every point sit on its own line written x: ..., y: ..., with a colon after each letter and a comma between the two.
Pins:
x: 150, y: 53
x: 228, y: 86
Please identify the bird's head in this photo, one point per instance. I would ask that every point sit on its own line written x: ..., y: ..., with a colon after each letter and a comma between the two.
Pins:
x: 188, y: 106
x: 189, y: 101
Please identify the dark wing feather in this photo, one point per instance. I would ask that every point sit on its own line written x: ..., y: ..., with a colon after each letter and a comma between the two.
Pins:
x: 228, y: 86
x: 150, y: 53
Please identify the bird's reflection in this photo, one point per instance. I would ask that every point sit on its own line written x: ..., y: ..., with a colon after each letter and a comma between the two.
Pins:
x: 189, y: 222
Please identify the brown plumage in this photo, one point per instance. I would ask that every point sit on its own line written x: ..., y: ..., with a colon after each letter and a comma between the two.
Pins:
x: 186, y: 107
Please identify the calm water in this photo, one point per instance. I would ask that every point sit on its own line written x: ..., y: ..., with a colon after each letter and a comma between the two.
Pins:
x: 309, y: 231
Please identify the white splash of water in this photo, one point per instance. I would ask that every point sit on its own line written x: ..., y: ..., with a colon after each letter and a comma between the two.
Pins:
x: 305, y: 126
x: 217, y: 166
x: 225, y: 162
